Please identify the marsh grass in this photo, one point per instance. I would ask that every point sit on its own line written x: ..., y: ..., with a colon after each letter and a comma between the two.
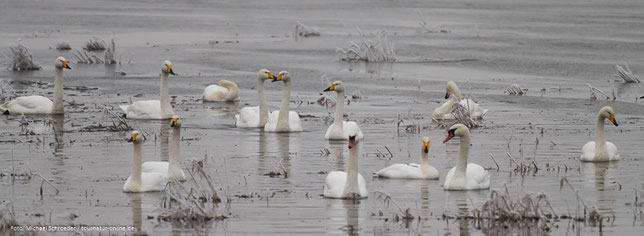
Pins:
x: 625, y: 74
x: 86, y: 57
x: 62, y: 45
x: 111, y: 52
x: 302, y: 30
x: 21, y: 58
x: 376, y: 48
x: 94, y: 44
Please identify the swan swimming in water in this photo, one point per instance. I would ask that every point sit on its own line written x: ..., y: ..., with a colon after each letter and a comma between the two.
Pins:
x: 153, y: 109
x: 340, y: 129
x: 258, y: 115
x: 600, y: 149
x: 412, y: 171
x: 284, y: 120
x: 142, y: 181
x: 38, y: 105
x: 464, y: 176
x: 223, y: 91
x: 444, y: 112
x: 172, y: 167
x: 350, y: 184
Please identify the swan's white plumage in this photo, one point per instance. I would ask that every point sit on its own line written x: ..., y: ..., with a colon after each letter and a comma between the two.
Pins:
x: 28, y: 105
x: 252, y: 116
x: 476, y: 177
x: 588, y: 152
x: 150, y: 182
x: 293, y: 121
x: 247, y: 117
x: 407, y: 171
x: 335, y: 181
x: 347, y: 127
x: 444, y: 112
x: 224, y: 91
x: 591, y: 151
x: 145, y: 110
x: 172, y: 167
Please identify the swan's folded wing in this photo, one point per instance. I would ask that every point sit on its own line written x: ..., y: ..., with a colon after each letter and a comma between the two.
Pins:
x: 247, y: 117
x: 29, y: 105
x: 588, y: 151
x: 334, y: 184
x: 477, y: 177
x: 294, y: 121
x: 613, y: 155
x: 160, y: 167
x: 153, y: 182
x: 215, y: 93
x: 150, y: 109
x: 400, y: 171
x: 362, y: 185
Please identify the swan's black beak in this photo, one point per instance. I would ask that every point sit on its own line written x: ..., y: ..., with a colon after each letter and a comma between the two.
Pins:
x: 171, y: 72
x: 612, y: 119
x: 66, y: 65
x: 132, y: 138
x: 450, y: 135
x: 642, y: 97
x: 352, y: 141
x: 278, y: 78
x: 330, y: 88
x: 173, y: 123
x: 446, y: 95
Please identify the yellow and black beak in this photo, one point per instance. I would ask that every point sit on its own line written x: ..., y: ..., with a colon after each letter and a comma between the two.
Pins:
x: 612, y: 119
x: 426, y: 147
x: 447, y: 95
x: 450, y: 135
x: 330, y: 88
x: 132, y: 138
x: 169, y: 68
x: 271, y: 76
x: 352, y: 141
x: 66, y: 65
x: 278, y: 78
x: 173, y: 123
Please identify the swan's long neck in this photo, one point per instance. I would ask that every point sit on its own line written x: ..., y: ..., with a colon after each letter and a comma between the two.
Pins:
x: 263, y: 107
x: 600, y: 140
x: 351, y: 185
x: 135, y: 177
x: 166, y: 108
x: 58, y: 107
x: 282, y: 119
x: 339, y: 111
x: 174, y: 166
x: 463, y: 154
x: 457, y: 94
x: 424, y: 161
x: 233, y: 90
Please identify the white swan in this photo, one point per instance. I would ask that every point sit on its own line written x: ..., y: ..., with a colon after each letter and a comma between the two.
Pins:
x: 34, y: 104
x: 142, y: 181
x: 224, y: 91
x: 284, y: 120
x: 350, y: 184
x: 172, y: 167
x: 465, y: 176
x: 412, y: 171
x: 153, y: 109
x: 340, y: 129
x: 444, y: 112
x: 600, y: 150
x: 258, y: 115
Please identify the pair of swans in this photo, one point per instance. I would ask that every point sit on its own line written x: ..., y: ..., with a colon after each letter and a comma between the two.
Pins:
x: 444, y: 112
x: 153, y: 175
x: 601, y: 150
x: 153, y: 109
x: 276, y: 121
x: 39, y: 105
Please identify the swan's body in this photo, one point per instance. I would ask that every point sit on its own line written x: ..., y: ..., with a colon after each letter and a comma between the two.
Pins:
x: 255, y: 116
x: 350, y: 184
x: 34, y: 104
x: 153, y: 109
x: 412, y: 171
x: 465, y: 176
x: 142, y: 181
x: 284, y: 120
x: 600, y: 149
x: 444, y: 112
x: 224, y: 91
x: 172, y: 167
x: 340, y: 128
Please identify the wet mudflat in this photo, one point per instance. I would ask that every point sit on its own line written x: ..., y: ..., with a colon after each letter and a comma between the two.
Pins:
x: 557, y: 47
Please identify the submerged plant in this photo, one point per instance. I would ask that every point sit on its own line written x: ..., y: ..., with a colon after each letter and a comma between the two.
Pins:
x: 85, y: 57
x: 62, y: 45
x: 94, y: 44
x: 625, y: 74
x: 21, y: 58
x: 302, y: 30
x: 377, y: 49
x: 109, y: 54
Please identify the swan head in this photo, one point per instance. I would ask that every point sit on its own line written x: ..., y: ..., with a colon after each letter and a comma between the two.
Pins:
x: 136, y: 137
x: 283, y: 76
x: 167, y: 67
x: 608, y: 113
x: 352, y: 138
x: 426, y: 144
x: 456, y: 130
x: 265, y: 74
x: 450, y: 89
x: 175, y: 122
x: 62, y: 63
x: 337, y: 86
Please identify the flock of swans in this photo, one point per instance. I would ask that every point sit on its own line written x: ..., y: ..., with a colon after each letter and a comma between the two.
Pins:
x: 153, y: 176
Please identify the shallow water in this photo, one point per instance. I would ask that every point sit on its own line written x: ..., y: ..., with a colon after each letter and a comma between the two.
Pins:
x: 551, y: 45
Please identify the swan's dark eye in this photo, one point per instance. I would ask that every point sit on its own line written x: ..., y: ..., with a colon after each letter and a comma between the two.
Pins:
x: 451, y: 131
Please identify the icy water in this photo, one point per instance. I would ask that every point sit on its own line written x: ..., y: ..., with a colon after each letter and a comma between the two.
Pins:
x: 558, y: 46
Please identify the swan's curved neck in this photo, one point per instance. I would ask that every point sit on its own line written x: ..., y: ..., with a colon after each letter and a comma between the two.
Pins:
x: 174, y: 166
x: 463, y: 154
x: 232, y: 89
x: 339, y: 110
x: 600, y: 140
x: 58, y: 107
x: 351, y: 184
x: 282, y: 119
x: 263, y: 107
x: 457, y: 94
x: 135, y: 177
x: 166, y: 108
x: 424, y: 161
